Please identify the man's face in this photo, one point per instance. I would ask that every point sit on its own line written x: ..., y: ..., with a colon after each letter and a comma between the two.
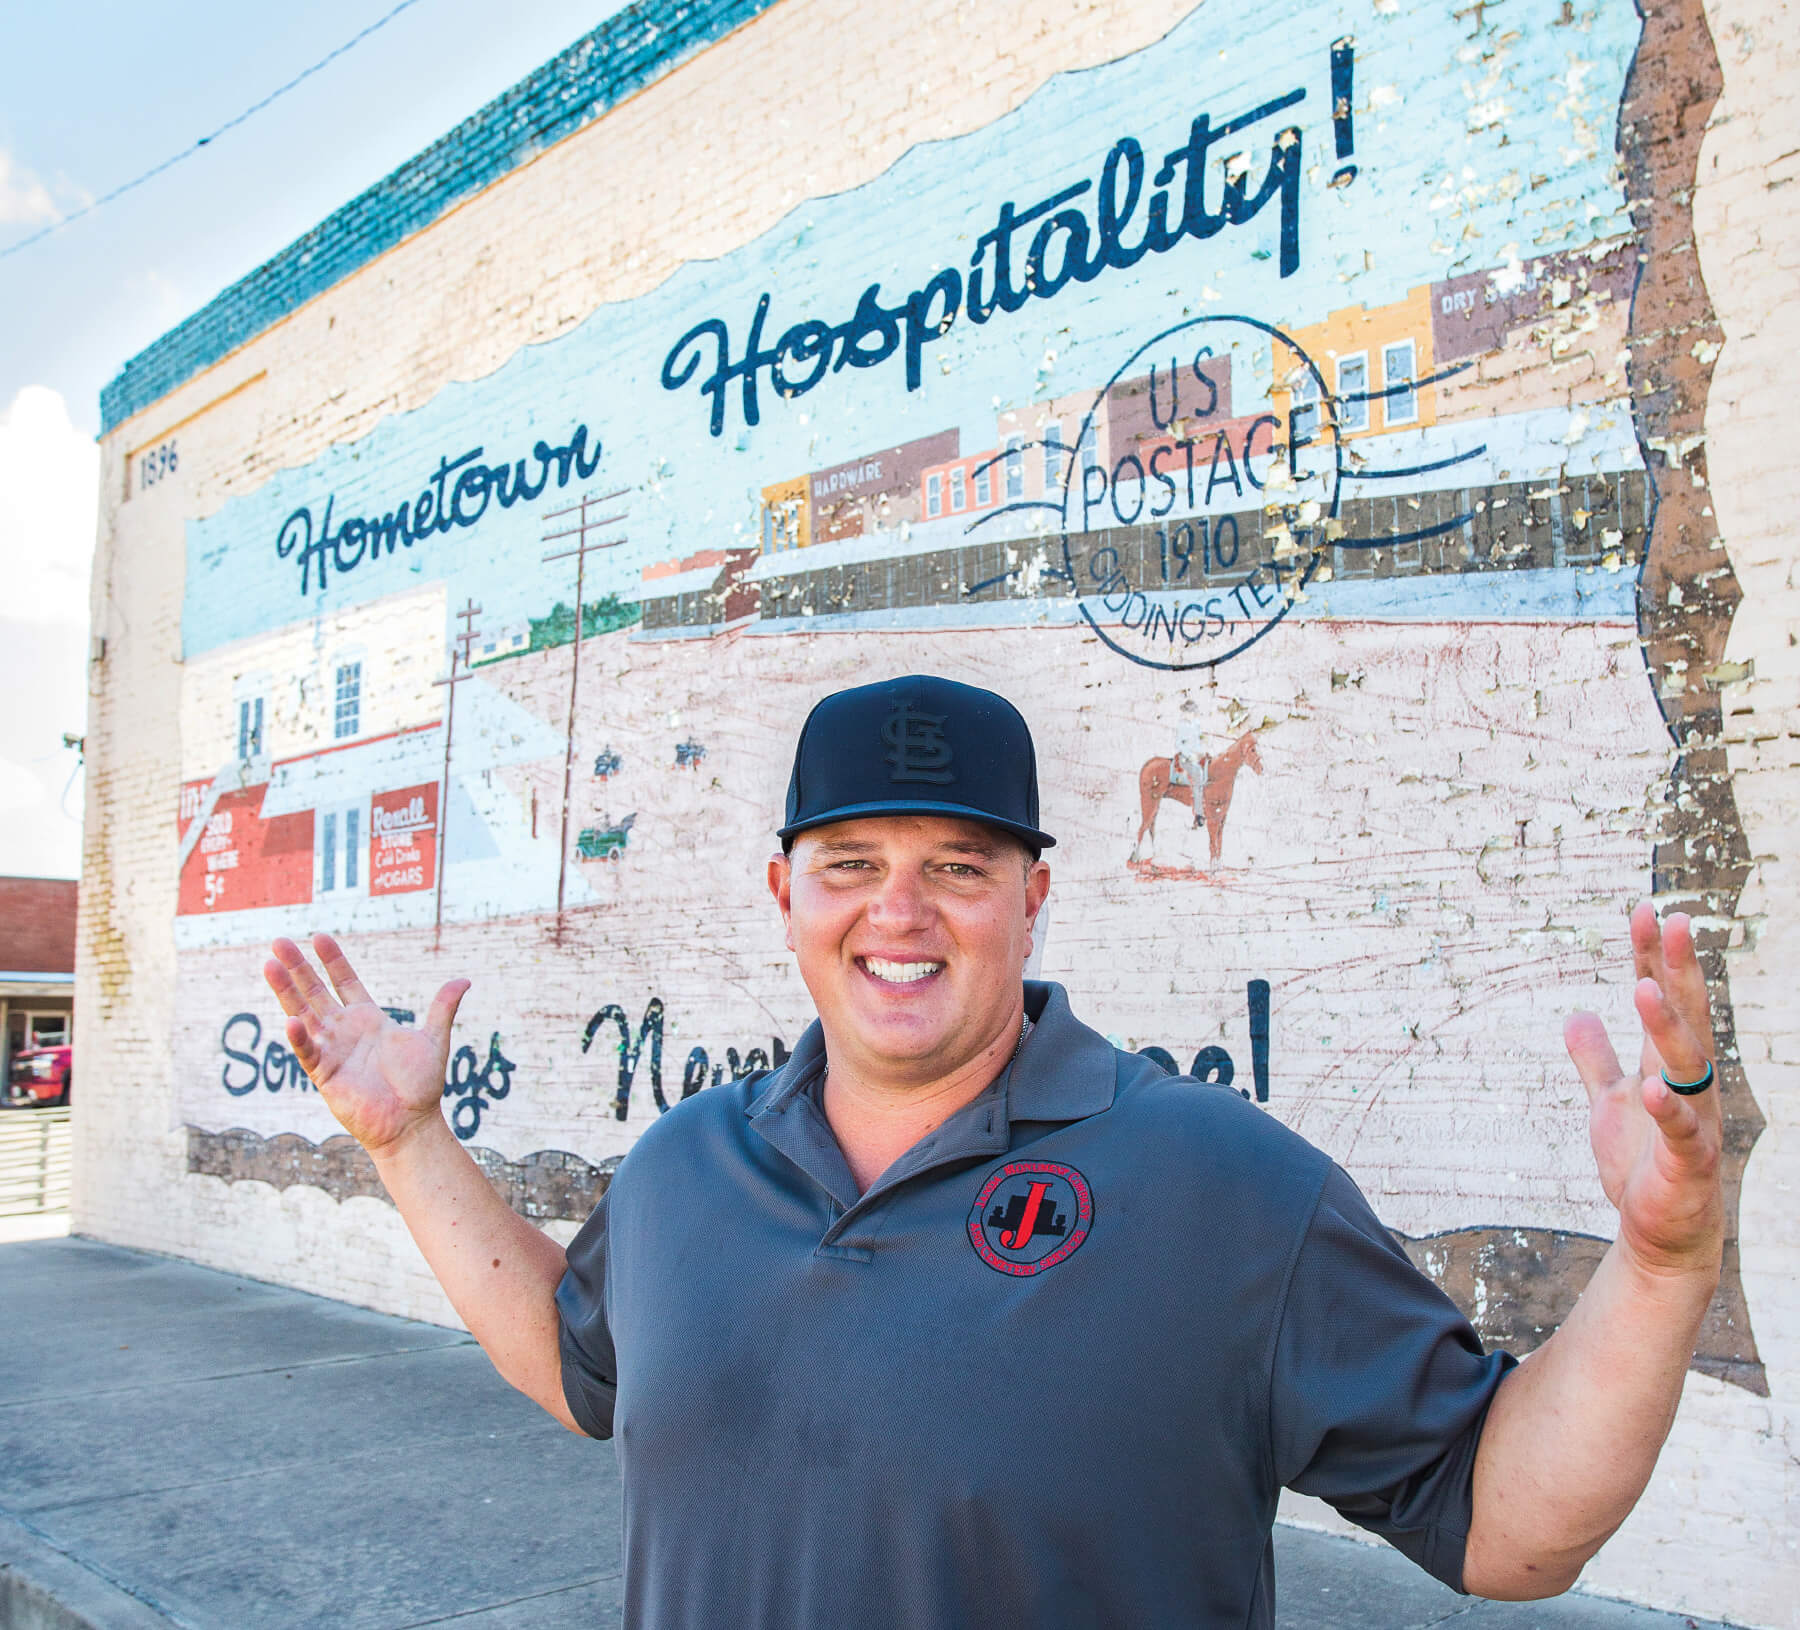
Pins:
x: 911, y: 933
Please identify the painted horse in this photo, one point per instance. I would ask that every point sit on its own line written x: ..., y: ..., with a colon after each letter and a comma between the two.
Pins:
x: 1154, y: 785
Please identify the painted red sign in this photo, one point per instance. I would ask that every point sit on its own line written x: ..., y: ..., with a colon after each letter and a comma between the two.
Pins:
x: 403, y: 840
x: 242, y: 860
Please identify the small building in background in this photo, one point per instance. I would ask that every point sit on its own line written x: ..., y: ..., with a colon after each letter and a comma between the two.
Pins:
x: 37, y: 964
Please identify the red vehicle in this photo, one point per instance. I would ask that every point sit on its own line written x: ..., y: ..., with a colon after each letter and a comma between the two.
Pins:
x: 42, y: 1075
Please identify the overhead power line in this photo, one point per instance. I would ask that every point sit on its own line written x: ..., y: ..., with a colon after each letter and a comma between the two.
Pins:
x: 212, y: 136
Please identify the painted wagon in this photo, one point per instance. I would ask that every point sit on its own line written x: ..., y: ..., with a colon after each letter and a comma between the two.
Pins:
x: 604, y: 842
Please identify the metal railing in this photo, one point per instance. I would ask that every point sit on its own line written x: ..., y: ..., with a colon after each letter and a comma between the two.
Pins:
x: 34, y: 1161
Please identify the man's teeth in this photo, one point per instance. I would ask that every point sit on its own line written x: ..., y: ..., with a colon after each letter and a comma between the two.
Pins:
x: 900, y: 973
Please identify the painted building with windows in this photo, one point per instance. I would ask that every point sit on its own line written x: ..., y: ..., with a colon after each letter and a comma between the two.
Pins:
x: 1396, y: 471
x: 1370, y: 364
x: 294, y: 741
x: 786, y: 515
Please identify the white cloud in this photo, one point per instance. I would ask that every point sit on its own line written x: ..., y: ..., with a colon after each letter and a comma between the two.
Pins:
x: 24, y: 200
x: 49, y: 502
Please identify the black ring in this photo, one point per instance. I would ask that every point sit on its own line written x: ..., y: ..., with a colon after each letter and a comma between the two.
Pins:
x: 1688, y: 1089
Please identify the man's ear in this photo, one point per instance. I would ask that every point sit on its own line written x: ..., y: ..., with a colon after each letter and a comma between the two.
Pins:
x: 1037, y: 932
x: 1037, y: 890
x: 781, y: 883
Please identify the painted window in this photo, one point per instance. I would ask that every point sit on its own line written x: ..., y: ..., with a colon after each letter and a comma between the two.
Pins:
x: 959, y: 490
x: 1052, y: 454
x: 340, y: 848
x: 984, y: 486
x: 1090, y: 447
x: 347, y: 717
x: 1303, y: 412
x: 1353, y: 392
x: 934, y: 494
x: 1399, y: 364
x: 1015, y: 467
x: 250, y: 720
x: 781, y: 525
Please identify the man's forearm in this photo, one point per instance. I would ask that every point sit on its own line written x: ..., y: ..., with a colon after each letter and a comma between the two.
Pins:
x: 1574, y: 1431
x: 499, y: 1272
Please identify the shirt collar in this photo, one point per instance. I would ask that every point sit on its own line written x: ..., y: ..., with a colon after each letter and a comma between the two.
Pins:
x: 1064, y: 1072
x: 804, y: 1065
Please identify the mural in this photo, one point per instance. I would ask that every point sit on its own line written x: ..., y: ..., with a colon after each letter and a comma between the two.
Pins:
x: 1305, y: 440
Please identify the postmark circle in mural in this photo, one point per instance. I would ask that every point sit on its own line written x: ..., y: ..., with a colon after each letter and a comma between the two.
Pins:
x: 1030, y: 1215
x: 1194, y: 517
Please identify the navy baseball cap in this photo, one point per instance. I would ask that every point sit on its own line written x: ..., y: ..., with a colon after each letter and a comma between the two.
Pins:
x: 917, y: 745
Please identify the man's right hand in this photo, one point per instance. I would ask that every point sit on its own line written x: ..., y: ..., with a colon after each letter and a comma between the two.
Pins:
x: 380, y: 1079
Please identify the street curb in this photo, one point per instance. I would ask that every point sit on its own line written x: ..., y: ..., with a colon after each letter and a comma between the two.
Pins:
x: 43, y: 1588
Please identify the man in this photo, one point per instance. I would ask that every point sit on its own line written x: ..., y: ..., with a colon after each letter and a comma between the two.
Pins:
x: 1188, y: 763
x: 964, y: 1316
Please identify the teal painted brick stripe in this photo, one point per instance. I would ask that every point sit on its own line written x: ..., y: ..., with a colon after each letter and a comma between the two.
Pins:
x: 625, y: 53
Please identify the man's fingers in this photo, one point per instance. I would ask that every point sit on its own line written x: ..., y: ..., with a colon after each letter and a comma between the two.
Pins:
x: 300, y: 1040
x: 278, y: 979
x: 442, y: 1014
x: 1678, y: 1119
x: 1646, y: 942
x: 338, y: 970
x: 306, y: 987
x: 1683, y: 1053
x: 1683, y: 983
x: 1592, y: 1052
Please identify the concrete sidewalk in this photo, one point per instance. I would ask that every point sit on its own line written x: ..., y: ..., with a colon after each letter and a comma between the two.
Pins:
x: 178, y: 1446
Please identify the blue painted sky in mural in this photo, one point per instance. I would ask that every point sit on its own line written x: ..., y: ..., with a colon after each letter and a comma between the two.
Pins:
x: 1464, y: 163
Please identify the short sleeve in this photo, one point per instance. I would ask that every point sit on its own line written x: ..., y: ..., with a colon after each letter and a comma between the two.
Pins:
x: 590, y: 1372
x: 1379, y: 1386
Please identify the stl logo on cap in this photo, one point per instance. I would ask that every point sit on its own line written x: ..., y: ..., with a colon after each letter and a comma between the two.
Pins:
x: 916, y: 746
x: 1029, y: 1216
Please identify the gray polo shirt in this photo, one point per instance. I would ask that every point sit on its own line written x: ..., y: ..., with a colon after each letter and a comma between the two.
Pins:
x: 1051, y: 1370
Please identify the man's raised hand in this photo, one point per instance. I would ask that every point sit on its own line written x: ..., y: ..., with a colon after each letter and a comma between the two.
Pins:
x: 379, y: 1078
x: 1658, y: 1151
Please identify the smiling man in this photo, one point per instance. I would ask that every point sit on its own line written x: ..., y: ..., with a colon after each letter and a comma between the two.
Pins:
x: 976, y: 1319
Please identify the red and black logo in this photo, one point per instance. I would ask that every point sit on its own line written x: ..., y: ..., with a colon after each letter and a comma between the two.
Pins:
x: 1031, y: 1215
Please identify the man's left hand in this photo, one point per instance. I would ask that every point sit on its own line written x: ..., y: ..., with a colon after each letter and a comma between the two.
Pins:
x: 1658, y: 1151
x: 1573, y: 1432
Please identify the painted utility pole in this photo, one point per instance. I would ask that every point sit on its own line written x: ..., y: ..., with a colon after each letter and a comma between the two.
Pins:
x: 459, y: 646
x: 580, y: 550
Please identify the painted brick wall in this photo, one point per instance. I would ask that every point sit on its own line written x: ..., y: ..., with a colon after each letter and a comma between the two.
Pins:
x: 442, y: 292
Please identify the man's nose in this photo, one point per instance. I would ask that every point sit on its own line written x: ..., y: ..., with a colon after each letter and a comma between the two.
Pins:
x: 902, y: 902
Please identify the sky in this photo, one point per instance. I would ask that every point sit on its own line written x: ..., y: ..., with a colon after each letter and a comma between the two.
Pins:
x: 91, y: 97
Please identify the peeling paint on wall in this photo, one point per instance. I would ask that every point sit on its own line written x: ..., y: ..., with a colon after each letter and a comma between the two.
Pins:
x: 1687, y: 591
x: 1179, y: 450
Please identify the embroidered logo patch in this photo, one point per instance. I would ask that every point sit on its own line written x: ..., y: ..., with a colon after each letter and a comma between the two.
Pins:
x: 916, y: 747
x: 1029, y: 1216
